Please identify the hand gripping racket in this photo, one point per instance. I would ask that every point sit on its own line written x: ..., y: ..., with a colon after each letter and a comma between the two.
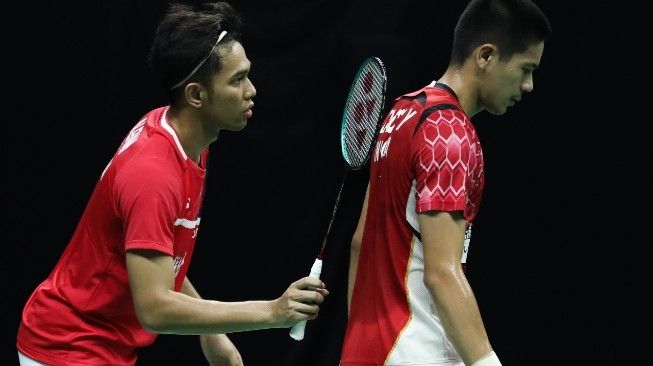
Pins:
x: 360, y: 123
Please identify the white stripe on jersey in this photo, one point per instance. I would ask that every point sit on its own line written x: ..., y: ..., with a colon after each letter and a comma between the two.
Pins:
x: 166, y: 126
x: 423, y: 340
x: 188, y: 224
x: 411, y: 217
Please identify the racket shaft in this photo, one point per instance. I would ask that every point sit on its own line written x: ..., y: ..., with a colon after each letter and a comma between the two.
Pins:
x: 335, y: 207
x: 297, y: 331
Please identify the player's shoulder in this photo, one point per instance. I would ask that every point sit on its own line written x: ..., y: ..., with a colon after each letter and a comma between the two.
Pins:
x: 151, y: 167
x: 431, y: 95
x: 152, y: 153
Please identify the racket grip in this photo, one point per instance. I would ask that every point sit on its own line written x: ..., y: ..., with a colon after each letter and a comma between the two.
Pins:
x: 297, y: 331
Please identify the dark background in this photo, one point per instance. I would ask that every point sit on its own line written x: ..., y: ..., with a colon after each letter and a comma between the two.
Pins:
x: 556, y: 238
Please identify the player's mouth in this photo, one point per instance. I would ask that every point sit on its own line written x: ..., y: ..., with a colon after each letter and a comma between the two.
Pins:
x: 249, y: 112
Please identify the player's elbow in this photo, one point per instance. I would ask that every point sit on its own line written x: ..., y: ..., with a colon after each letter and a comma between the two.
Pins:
x: 151, y: 318
x: 149, y: 321
x: 439, y: 276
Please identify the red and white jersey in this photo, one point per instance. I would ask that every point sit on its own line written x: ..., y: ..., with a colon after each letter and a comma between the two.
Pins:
x: 148, y: 197
x: 427, y: 157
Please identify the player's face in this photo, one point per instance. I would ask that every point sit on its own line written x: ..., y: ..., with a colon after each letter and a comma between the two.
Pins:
x: 509, y: 79
x: 231, y: 103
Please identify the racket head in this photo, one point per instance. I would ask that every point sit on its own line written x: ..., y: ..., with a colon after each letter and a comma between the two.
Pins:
x: 362, y: 113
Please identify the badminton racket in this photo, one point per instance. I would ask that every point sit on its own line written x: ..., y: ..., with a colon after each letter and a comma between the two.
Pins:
x: 360, y: 123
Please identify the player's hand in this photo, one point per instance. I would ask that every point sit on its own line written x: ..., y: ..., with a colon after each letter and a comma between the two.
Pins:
x: 220, y: 351
x: 301, y: 301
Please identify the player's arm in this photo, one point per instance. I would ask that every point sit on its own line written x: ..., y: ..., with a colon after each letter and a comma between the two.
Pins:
x: 356, y: 242
x: 217, y: 348
x: 442, y: 237
x: 160, y: 309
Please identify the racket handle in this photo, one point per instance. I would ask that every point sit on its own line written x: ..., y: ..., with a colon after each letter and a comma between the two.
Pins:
x: 297, y: 331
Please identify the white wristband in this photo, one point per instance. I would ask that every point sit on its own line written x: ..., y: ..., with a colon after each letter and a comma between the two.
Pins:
x: 490, y: 359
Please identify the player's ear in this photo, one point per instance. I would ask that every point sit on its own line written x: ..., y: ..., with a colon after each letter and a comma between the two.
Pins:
x: 485, y: 54
x: 194, y: 94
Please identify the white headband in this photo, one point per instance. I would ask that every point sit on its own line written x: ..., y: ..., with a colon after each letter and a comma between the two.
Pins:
x: 201, y: 62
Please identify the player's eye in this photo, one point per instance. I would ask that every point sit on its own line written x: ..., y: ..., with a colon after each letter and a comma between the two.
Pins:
x: 238, y: 80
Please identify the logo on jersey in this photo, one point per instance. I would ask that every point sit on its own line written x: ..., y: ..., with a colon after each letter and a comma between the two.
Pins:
x: 468, y: 238
x: 132, y: 136
x: 383, y: 144
x: 128, y: 141
x: 178, y: 261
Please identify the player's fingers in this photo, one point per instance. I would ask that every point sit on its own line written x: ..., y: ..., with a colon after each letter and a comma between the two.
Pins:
x: 305, y: 296
x: 307, y: 309
x: 309, y: 283
x: 310, y: 297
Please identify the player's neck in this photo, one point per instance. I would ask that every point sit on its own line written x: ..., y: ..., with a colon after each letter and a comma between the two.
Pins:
x: 189, y: 135
x: 458, y: 80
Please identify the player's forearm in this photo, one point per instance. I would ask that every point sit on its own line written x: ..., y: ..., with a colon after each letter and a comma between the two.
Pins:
x: 188, y: 289
x: 183, y: 314
x: 459, y: 314
x: 353, y: 266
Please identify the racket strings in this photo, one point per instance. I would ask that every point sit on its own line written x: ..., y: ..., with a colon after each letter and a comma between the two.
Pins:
x: 364, y: 106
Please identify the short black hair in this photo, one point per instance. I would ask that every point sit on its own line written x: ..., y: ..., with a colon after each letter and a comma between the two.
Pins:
x: 185, y: 36
x: 513, y: 25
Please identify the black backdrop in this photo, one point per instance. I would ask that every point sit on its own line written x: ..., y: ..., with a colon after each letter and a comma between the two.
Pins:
x: 77, y: 80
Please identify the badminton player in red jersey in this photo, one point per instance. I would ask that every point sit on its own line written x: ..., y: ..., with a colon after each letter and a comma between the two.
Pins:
x: 122, y: 278
x: 411, y: 303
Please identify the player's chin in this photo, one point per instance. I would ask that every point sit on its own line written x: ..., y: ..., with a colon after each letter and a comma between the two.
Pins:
x: 239, y: 125
x: 498, y: 110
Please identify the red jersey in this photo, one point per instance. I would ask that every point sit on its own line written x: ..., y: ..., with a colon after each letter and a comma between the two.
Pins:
x: 427, y: 157
x: 148, y: 197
